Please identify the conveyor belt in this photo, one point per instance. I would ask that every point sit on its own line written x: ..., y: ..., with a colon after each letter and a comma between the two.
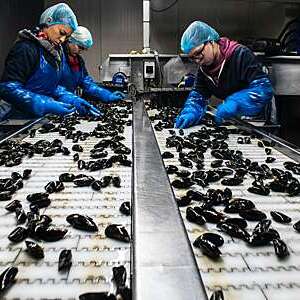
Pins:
x: 94, y: 255
x: 246, y: 272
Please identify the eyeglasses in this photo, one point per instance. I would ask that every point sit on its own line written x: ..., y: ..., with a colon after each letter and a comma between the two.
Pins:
x: 81, y: 48
x: 197, y: 54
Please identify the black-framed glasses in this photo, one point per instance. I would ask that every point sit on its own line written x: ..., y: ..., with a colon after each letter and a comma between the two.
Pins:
x: 81, y: 48
x: 197, y: 53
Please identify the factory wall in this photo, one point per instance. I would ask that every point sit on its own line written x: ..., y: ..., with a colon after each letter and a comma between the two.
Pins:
x: 14, y: 16
x: 237, y: 19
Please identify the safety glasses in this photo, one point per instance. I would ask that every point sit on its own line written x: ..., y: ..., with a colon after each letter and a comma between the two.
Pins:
x: 197, y: 53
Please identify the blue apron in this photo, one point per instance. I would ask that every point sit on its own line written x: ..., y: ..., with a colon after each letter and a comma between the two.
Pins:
x: 70, y: 79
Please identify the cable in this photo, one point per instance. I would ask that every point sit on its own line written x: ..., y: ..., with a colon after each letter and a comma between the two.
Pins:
x: 164, y: 9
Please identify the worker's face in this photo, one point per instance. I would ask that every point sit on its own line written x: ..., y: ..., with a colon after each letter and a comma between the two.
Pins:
x: 75, y: 49
x: 203, y: 55
x: 57, y: 34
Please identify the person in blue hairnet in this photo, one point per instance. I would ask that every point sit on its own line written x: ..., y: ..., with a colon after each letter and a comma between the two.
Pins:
x: 33, y: 67
x: 228, y: 70
x: 74, y: 72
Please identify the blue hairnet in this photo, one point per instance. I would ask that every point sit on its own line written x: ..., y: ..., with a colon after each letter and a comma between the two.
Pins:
x: 82, y: 37
x: 197, y: 34
x: 60, y: 13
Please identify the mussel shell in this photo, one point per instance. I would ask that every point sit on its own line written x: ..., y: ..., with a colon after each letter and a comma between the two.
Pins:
x: 280, y: 217
x: 34, y: 250
x: 238, y: 204
x: 66, y: 177
x: 82, y: 222
x: 281, y: 249
x: 125, y: 208
x: 237, y: 221
x: 7, y: 278
x: 208, y: 248
x: 194, y: 217
x: 167, y: 155
x: 65, y: 260
x: 18, y: 234
x: 50, y: 234
x: 12, y: 206
x: 234, y: 230
x: 117, y: 232
x: 214, y: 238
x: 253, y: 215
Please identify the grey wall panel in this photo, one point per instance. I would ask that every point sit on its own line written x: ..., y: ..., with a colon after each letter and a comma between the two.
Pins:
x: 14, y: 16
x: 237, y: 19
x: 116, y: 26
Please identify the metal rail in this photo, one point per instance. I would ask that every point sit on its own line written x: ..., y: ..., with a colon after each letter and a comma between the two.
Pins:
x: 164, y: 266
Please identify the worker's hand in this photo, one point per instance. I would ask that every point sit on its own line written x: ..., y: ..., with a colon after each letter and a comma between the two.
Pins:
x: 116, y: 96
x: 57, y: 108
x: 185, y: 120
x: 226, y: 110
x: 84, y: 107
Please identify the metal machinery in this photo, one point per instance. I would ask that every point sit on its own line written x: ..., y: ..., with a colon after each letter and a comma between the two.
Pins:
x: 161, y: 260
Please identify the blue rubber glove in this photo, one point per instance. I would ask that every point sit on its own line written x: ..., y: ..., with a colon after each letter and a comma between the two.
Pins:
x: 82, y: 106
x: 247, y: 102
x: 32, y: 103
x: 116, y: 96
x: 193, y: 111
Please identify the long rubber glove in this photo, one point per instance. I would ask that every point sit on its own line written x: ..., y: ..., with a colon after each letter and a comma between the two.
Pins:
x: 92, y: 89
x: 247, y: 102
x: 32, y: 103
x: 82, y: 106
x: 193, y: 111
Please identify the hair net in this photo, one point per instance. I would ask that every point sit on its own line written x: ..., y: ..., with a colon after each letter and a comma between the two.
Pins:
x: 196, y: 34
x: 60, y: 13
x: 82, y: 37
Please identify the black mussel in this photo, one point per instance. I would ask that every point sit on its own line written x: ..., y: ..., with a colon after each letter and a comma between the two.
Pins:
x: 253, y: 215
x: 83, y: 180
x: 185, y: 163
x: 224, y: 171
x: 268, y: 151
x: 125, y: 208
x: 12, y: 206
x: 66, y: 177
x: 98, y: 296
x: 183, y: 201
x: 65, y: 151
x: 77, y: 148
x: 45, y: 220
x: 54, y: 187
x: 37, y: 197
x: 260, y: 239
x: 236, y: 221
x: 185, y: 183
x: 5, y: 196
x: 96, y: 185
x: 15, y: 176
x: 196, y: 195
x: 260, y: 144
x: 240, y: 140
x: 7, y: 278
x: 262, y: 226
x: 119, y: 277
x: 50, y: 234
x: 76, y: 157
x: 211, y: 215
x: 181, y: 131
x: 116, y: 181
x: 105, y: 181
x: 41, y: 203
x: 34, y: 250
x: 32, y: 133
x: 65, y: 260
x: 217, y: 295
x: 81, y: 164
x: 98, y: 154
x: 167, y: 155
x: 208, y: 248
x: 259, y: 190
x: 82, y: 222
x: 234, y: 230
x: 216, y: 163
x: 238, y: 204
x: 270, y: 159
x: 247, y: 140
x: 26, y: 173
x: 280, y: 217
x: 125, y: 162
x: 117, y: 232
x: 232, y: 181
x: 277, y: 186
x: 194, y: 217
x: 296, y: 226
x: 293, y: 188
x: 214, y: 238
x: 183, y: 173
x: 171, y: 169
x: 18, y: 234
x: 20, y: 215
x: 281, y: 249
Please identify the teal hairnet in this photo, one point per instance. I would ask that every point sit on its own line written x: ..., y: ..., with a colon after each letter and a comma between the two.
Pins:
x: 197, y: 34
x: 82, y: 37
x: 60, y: 13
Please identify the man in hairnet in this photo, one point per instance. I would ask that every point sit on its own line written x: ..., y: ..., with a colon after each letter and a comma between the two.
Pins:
x: 33, y: 67
x: 228, y: 70
x: 74, y: 72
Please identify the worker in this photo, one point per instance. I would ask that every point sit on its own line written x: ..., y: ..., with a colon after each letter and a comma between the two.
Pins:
x: 33, y: 67
x: 75, y: 74
x: 228, y: 70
